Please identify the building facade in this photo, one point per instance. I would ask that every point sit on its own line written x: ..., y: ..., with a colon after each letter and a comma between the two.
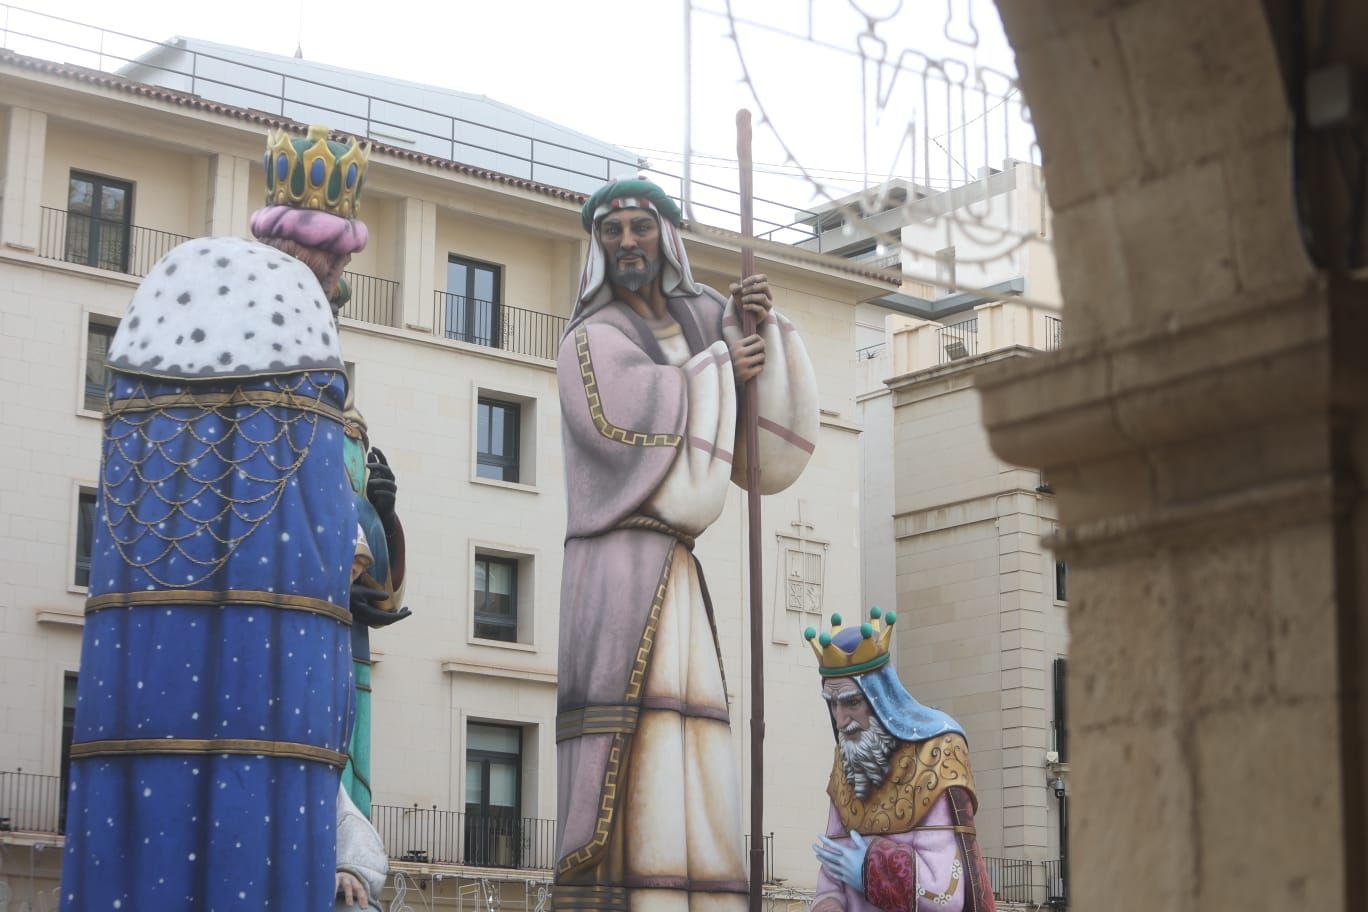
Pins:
x: 459, y: 303
x: 954, y: 536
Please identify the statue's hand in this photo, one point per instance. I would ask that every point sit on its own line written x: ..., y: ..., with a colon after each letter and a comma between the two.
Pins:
x: 351, y: 889
x: 364, y: 607
x: 381, y: 489
x: 748, y: 358
x: 752, y: 294
x: 844, y: 864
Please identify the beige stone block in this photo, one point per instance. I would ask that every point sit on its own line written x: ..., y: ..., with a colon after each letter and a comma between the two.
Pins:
x: 1268, y: 247
x: 1204, y: 77
x: 1302, y: 612
x: 1181, y: 220
x: 1125, y: 643
x: 1139, y: 774
x: 1083, y: 66
x: 1257, y: 802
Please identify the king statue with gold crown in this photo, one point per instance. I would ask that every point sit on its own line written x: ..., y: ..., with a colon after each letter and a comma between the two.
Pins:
x: 244, y: 534
x: 900, y: 832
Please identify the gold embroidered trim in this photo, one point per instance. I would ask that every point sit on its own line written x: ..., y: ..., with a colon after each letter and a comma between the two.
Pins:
x: 605, y: 427
x: 231, y: 597
x: 291, y: 750
x: 597, y: 898
x: 198, y: 400
x: 919, y: 773
x: 637, y: 680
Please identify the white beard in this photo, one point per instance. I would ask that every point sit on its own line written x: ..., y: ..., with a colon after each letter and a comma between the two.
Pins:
x: 865, y: 759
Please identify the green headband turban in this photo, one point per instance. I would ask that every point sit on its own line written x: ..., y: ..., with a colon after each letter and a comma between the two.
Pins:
x: 638, y: 189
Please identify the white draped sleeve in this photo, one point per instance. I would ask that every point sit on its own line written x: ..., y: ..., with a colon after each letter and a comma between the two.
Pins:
x: 789, y: 413
x: 694, y: 491
x: 359, y: 849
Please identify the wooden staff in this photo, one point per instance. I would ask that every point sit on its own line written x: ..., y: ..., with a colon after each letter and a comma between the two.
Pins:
x: 750, y: 408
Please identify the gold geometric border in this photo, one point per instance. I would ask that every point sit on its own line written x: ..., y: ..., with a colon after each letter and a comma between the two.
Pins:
x: 608, y: 795
x: 596, y: 720
x: 205, y: 598
x: 605, y: 427
x: 290, y: 750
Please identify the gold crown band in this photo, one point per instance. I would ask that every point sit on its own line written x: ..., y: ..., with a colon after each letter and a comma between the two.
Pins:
x: 876, y: 635
x: 312, y: 173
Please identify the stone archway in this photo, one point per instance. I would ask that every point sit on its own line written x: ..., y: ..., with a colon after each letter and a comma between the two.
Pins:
x: 1203, y: 428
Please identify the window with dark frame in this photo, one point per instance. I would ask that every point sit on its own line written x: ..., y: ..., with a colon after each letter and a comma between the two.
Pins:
x: 1061, y: 716
x: 99, y: 335
x: 1061, y: 581
x: 471, y: 312
x: 496, y: 598
x: 85, y: 535
x: 496, y: 448
x: 99, y: 221
x: 68, y: 729
x: 493, y: 795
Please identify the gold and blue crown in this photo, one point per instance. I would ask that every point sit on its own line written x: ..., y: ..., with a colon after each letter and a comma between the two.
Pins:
x: 845, y: 651
x: 315, y: 172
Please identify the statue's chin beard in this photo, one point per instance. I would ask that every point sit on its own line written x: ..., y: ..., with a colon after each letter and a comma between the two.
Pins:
x: 865, y: 759
x: 634, y: 279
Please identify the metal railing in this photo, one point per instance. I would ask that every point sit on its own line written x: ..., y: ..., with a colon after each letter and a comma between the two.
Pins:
x: 957, y: 340
x: 527, y: 332
x: 102, y: 243
x: 870, y: 352
x: 31, y: 802
x: 769, y: 857
x: 430, y: 836
x: 373, y: 300
x: 1018, y: 880
x: 235, y: 82
x: 1054, y: 333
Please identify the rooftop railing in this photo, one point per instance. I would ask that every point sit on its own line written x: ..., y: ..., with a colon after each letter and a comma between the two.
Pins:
x: 1017, y: 880
x: 432, y: 836
x: 488, y: 323
x: 957, y: 340
x: 373, y: 300
x: 102, y: 243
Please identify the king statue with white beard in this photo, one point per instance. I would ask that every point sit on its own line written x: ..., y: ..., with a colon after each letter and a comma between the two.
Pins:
x: 900, y: 832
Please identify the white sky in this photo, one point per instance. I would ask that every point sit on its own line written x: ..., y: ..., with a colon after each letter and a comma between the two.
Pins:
x: 615, y: 71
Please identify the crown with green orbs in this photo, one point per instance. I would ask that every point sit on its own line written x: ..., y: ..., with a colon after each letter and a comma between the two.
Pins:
x: 315, y: 172
x: 841, y: 653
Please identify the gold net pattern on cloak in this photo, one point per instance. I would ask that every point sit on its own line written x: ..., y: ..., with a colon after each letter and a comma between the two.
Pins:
x: 204, y: 485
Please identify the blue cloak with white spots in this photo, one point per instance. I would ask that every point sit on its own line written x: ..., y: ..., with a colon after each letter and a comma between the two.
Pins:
x: 214, y: 698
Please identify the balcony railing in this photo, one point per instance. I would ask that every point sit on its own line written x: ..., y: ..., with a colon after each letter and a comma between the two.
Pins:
x: 957, y: 340
x: 31, y: 802
x: 1017, y: 880
x: 527, y: 332
x: 1054, y: 333
x: 102, y: 243
x: 430, y: 836
x: 373, y: 300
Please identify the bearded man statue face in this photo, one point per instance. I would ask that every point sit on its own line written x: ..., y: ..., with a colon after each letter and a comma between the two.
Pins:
x: 631, y: 243
x: 864, y: 743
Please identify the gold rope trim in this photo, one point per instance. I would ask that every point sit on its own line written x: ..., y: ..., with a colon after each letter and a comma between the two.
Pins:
x: 605, y: 427
x: 201, y: 597
x: 596, y: 720
x: 608, y: 801
x: 290, y: 750
x: 252, y: 398
x: 637, y: 521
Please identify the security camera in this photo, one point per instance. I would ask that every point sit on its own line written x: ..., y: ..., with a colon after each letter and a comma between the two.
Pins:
x: 1058, y: 785
x: 1052, y: 756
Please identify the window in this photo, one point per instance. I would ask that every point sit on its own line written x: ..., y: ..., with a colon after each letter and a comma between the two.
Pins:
x: 1061, y: 581
x: 68, y: 728
x: 85, y: 534
x: 496, y: 448
x: 98, y: 221
x: 493, y: 795
x: 496, y: 598
x: 99, y: 334
x: 1061, y: 717
x: 470, y: 311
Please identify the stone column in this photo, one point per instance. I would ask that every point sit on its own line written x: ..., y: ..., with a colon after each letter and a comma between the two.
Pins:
x: 1191, y: 433
x: 22, y: 189
x: 417, y: 285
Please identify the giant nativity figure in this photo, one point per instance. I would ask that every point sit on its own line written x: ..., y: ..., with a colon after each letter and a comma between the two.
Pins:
x: 649, y: 368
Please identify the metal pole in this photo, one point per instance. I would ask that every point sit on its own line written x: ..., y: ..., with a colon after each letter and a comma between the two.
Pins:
x: 757, y: 617
x: 686, y: 180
